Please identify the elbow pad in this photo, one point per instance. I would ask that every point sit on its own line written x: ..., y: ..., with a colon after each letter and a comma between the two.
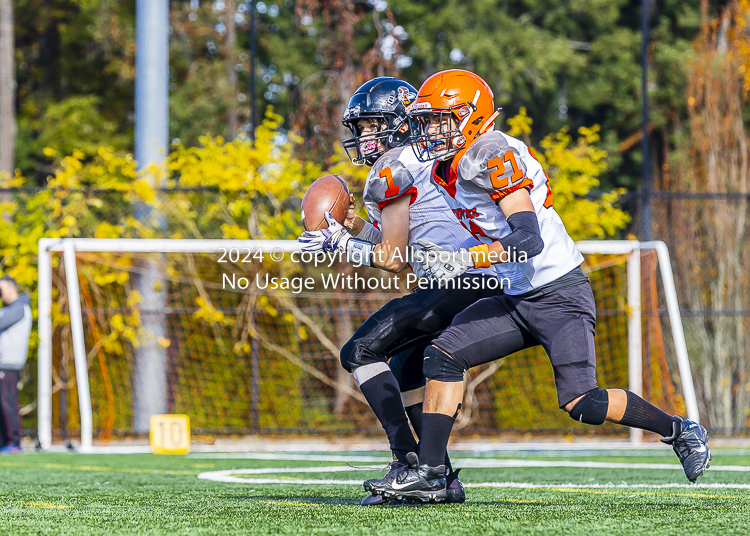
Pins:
x: 525, y: 235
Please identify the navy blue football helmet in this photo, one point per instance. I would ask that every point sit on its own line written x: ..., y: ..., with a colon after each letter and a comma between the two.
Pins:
x: 385, y: 100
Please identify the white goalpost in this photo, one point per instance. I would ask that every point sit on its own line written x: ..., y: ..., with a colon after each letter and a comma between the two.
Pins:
x: 69, y: 247
x: 635, y: 361
x: 300, y: 316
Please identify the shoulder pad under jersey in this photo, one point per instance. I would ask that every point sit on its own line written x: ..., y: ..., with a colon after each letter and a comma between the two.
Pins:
x: 389, y: 179
x: 494, y: 165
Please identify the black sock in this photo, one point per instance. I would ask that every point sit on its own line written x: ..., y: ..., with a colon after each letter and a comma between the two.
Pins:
x: 415, y: 417
x: 436, y: 431
x: 641, y: 414
x: 384, y: 397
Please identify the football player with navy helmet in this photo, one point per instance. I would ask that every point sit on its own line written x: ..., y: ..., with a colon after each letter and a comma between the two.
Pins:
x: 404, y: 207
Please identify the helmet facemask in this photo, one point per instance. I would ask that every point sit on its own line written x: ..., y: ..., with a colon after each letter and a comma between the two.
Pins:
x: 437, y: 132
x: 366, y: 148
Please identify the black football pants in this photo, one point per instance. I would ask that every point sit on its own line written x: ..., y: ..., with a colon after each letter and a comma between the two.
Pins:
x: 404, y: 326
x: 562, y: 322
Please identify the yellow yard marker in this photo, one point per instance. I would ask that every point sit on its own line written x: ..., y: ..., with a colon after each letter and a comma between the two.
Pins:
x: 169, y: 434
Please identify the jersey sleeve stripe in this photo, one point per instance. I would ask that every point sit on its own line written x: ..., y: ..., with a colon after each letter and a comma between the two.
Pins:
x: 525, y: 183
x: 412, y: 191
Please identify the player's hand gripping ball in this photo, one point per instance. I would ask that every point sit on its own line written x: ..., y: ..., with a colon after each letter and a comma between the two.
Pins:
x: 334, y: 238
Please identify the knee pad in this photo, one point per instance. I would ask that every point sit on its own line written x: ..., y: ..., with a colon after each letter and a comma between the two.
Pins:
x: 440, y: 366
x: 347, y: 356
x: 351, y: 354
x: 592, y: 407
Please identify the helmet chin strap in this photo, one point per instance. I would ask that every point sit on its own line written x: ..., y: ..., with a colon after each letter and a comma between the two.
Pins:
x: 488, y: 123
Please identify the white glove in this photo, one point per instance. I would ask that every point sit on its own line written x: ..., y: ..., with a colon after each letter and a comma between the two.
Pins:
x: 444, y: 262
x: 334, y: 238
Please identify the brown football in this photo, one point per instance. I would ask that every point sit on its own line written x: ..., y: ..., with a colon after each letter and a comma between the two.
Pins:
x: 327, y: 194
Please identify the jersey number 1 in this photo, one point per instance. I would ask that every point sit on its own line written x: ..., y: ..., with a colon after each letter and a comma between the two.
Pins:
x: 392, y: 188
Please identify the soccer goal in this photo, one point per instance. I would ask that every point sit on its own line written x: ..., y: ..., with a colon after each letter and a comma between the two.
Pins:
x: 243, y: 336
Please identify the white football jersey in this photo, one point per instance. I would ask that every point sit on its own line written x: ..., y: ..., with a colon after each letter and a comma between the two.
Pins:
x: 398, y: 173
x: 491, y: 168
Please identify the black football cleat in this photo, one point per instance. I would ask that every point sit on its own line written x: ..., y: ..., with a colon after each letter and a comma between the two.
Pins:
x: 455, y: 488
x: 689, y: 441
x: 417, y: 482
x: 392, y: 468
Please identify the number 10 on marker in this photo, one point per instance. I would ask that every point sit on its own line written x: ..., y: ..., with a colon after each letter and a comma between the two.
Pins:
x: 169, y: 434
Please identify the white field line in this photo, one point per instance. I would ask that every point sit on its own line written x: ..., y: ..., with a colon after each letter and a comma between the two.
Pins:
x: 278, y: 470
x: 306, y: 447
x: 541, y: 453
x: 484, y: 463
x: 624, y: 485
x: 284, y: 456
x: 491, y: 465
x: 230, y: 475
x: 517, y: 485
x: 478, y: 463
x: 292, y: 457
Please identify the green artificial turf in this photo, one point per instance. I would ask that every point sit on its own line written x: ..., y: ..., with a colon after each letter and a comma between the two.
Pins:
x: 143, y: 494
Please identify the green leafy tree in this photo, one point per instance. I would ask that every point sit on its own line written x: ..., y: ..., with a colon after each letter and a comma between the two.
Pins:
x: 570, y: 64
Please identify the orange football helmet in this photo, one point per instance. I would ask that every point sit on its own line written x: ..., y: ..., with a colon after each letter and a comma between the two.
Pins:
x: 451, y: 110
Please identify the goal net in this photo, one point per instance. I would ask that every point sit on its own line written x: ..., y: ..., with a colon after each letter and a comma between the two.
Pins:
x: 211, y: 329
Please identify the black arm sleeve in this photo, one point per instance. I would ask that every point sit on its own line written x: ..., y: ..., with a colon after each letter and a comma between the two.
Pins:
x: 525, y: 235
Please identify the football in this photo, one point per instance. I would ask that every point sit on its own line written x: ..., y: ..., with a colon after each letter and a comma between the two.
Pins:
x: 327, y: 194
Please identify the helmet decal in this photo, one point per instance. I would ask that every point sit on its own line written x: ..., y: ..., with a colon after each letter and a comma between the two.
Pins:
x: 368, y: 147
x: 351, y: 112
x: 405, y: 95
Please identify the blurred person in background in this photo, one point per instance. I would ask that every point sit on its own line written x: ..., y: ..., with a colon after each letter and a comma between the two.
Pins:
x: 15, y: 327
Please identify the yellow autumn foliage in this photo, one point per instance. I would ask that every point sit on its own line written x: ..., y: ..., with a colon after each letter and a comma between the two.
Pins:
x: 574, y: 170
x: 241, y: 191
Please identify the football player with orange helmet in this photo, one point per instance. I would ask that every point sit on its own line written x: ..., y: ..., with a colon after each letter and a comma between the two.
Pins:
x: 506, y: 202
